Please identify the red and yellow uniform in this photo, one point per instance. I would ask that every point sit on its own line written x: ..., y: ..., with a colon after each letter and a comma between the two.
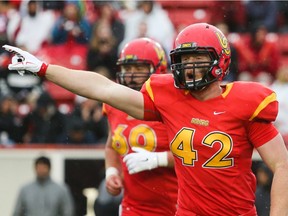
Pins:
x: 212, y: 142
x: 149, y: 193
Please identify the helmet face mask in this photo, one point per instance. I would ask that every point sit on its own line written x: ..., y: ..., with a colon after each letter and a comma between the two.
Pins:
x: 186, y: 73
x: 146, y: 57
x: 134, y: 75
x: 200, y: 40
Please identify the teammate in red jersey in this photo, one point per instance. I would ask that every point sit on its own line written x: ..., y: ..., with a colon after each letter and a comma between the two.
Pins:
x: 146, y: 192
x: 212, y: 129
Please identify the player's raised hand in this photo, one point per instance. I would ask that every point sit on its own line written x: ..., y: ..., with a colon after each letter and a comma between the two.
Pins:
x: 142, y: 159
x: 24, y: 61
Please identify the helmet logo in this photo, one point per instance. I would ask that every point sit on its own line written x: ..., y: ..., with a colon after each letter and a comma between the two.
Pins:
x: 161, y: 55
x: 224, y: 43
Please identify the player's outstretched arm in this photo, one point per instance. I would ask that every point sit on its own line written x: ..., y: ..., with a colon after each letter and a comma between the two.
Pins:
x: 88, y: 84
x: 95, y: 86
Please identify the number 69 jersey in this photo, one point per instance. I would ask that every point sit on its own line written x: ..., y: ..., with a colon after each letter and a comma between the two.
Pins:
x: 212, y: 142
x: 151, y: 193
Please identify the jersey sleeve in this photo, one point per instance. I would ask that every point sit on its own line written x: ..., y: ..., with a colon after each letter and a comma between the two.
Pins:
x: 150, y: 111
x: 254, y: 101
x: 267, y: 107
x: 261, y: 132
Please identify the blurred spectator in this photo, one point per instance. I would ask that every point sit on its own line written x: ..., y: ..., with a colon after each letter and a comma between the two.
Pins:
x: 102, y: 49
x: 262, y: 13
x: 71, y: 26
x: 77, y: 133
x: 233, y: 68
x: 10, y: 128
x: 264, y: 181
x: 259, y: 56
x: 53, y: 5
x: 32, y: 33
x: 230, y: 12
x: 64, y: 99
x: 109, y: 15
x: 45, y: 124
x: 283, y: 16
x: 280, y: 86
x: 149, y: 20
x: 4, y: 18
x: 44, y: 196
x: 11, y: 19
x: 4, y: 57
x: 89, y: 113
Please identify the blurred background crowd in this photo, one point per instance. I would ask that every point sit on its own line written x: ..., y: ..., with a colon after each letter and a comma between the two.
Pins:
x: 88, y: 35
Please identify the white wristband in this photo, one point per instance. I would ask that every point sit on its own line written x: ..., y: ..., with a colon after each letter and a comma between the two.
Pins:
x: 162, y: 158
x: 111, y: 171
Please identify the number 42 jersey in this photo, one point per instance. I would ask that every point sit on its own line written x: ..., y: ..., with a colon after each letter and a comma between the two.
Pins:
x: 212, y: 142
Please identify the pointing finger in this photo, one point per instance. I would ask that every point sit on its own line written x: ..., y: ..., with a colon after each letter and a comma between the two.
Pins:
x: 14, y: 50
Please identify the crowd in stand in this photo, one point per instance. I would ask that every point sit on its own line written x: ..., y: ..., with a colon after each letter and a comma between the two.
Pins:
x: 89, y: 35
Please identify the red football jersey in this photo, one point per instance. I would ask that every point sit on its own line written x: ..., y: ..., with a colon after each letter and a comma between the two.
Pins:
x: 151, y: 193
x: 213, y: 141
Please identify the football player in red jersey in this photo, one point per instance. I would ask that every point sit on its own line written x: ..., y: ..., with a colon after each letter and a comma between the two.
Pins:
x: 150, y: 186
x: 212, y: 128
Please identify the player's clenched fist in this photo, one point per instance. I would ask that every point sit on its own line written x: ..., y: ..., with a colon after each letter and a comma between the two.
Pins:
x: 114, y: 183
x: 24, y: 61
